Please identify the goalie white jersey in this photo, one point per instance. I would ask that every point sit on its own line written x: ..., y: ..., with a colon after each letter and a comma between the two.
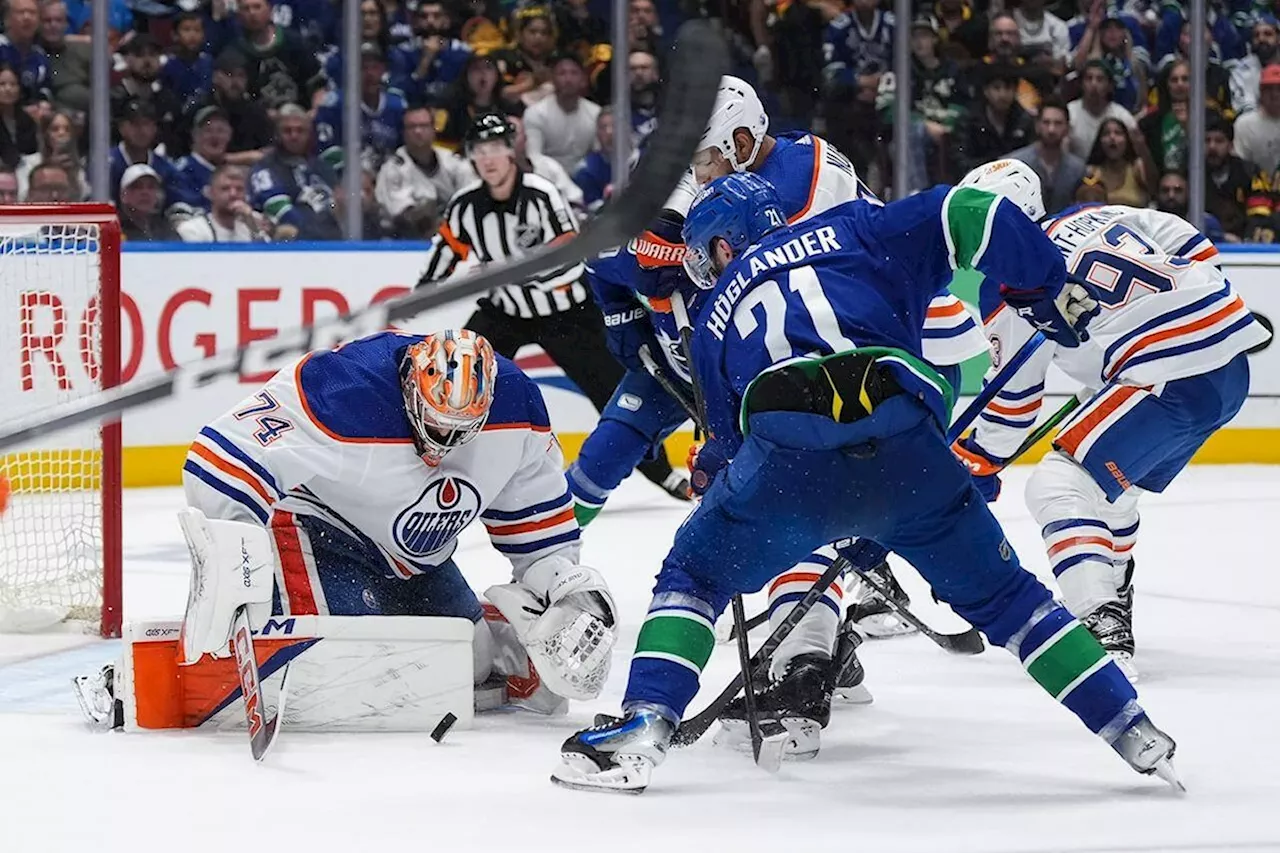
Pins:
x: 1168, y: 312
x: 329, y: 437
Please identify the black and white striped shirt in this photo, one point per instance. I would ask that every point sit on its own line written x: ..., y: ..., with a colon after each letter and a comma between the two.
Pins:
x: 475, y: 225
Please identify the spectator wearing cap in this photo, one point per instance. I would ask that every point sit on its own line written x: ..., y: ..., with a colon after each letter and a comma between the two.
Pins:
x: 526, y: 65
x: 594, y: 175
x: 1060, y: 171
x: 137, y: 129
x: 1246, y: 73
x: 1227, y: 178
x: 963, y: 29
x: 18, y: 50
x: 251, y: 128
x: 209, y: 140
x: 227, y: 217
x: 141, y: 83
x: 998, y: 124
x: 1036, y: 28
x: 59, y: 145
x: 1171, y: 36
x: 1094, y: 105
x: 1258, y: 132
x: 291, y: 187
x: 282, y: 69
x: 935, y: 104
x: 382, y: 112
x: 189, y: 70
x: 19, y: 134
x: 424, y: 67
x: 1117, y: 39
x: 476, y: 93
x: 858, y: 42
x: 418, y: 180
x: 69, y: 60
x: 563, y: 127
x: 141, y: 197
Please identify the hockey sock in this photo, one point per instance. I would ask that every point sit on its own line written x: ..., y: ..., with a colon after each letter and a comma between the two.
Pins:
x: 816, y: 633
x: 675, y: 643
x: 588, y: 498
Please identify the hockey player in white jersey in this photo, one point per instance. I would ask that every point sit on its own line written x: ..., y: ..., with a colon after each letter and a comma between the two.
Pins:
x: 1164, y: 368
x: 342, y: 486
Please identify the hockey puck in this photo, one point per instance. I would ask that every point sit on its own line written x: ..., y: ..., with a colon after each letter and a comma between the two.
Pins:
x: 442, y: 728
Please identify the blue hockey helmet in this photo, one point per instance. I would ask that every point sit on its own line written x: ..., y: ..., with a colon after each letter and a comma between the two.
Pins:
x: 739, y: 209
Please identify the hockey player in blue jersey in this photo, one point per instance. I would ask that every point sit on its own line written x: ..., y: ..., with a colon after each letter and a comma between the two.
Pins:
x: 827, y: 423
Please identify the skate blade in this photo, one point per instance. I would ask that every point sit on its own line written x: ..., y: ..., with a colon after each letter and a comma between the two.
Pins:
x: 857, y: 694
x: 579, y: 773
x: 799, y: 740
x: 1164, y: 770
x: 884, y: 626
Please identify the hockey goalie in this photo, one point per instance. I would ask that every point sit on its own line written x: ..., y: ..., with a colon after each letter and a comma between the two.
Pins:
x: 339, y: 490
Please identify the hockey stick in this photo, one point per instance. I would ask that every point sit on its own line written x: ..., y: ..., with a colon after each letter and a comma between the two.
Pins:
x: 1045, y: 428
x: 696, y: 726
x: 655, y: 370
x: 701, y: 58
x: 965, y: 643
x: 992, y: 388
x: 262, y: 732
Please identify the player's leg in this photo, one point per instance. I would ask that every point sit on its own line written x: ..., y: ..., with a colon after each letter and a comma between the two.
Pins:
x: 1084, y: 494
x: 575, y: 340
x: 632, y: 427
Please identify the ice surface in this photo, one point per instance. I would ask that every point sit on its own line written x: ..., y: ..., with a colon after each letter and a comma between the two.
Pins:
x: 956, y: 754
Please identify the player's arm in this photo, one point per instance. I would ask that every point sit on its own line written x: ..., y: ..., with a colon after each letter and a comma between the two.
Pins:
x: 1165, y: 233
x: 328, y: 129
x: 722, y: 400
x: 449, y: 247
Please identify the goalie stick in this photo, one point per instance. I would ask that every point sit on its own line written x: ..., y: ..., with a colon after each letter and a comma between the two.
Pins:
x: 701, y: 57
x: 262, y: 731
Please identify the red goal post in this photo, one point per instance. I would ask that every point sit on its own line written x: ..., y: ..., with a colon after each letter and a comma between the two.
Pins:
x: 60, y: 531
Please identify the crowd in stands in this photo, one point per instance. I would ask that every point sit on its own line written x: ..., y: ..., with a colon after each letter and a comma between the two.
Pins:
x: 227, y: 115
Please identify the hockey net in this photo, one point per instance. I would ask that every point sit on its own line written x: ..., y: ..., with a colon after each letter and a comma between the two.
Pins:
x: 59, y: 339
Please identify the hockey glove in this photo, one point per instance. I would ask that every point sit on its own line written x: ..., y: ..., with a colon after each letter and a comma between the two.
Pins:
x: 704, y: 463
x: 1060, y: 314
x: 564, y: 617
x: 626, y: 331
x: 984, y: 467
x: 231, y: 567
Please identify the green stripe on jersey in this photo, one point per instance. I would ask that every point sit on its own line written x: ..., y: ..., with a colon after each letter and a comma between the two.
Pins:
x: 679, y: 636
x: 1068, y: 657
x: 967, y: 217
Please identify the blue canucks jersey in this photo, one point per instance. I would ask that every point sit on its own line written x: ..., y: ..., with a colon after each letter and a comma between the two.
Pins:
x: 381, y: 127
x: 296, y: 192
x: 857, y: 276
x: 119, y: 161
x: 191, y: 175
x: 189, y: 79
x: 434, y: 87
x: 32, y: 67
x: 315, y: 20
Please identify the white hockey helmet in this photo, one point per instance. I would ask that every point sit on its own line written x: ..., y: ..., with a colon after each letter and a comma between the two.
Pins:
x: 1011, y: 179
x: 737, y: 105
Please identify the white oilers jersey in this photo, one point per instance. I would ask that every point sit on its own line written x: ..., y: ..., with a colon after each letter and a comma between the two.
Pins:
x: 1168, y: 312
x: 328, y: 437
x: 811, y: 177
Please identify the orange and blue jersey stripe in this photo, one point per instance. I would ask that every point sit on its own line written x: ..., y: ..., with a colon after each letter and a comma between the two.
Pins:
x: 1198, y: 325
x: 217, y: 462
x: 534, y: 528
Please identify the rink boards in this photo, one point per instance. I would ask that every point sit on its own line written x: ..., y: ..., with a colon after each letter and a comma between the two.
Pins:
x: 181, y: 303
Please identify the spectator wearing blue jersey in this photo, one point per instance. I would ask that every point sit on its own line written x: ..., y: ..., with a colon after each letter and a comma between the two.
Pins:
x: 19, y: 135
x: 189, y: 70
x: 1228, y: 44
x: 69, y: 60
x: 594, y: 175
x: 382, y: 112
x: 425, y: 67
x: 1118, y: 40
x: 373, y: 30
x: 137, y: 128
x: 119, y: 16
x: 209, y: 140
x: 251, y: 128
x: 291, y: 187
x: 317, y: 22
x: 860, y: 38
x: 399, y: 22
x: 18, y: 49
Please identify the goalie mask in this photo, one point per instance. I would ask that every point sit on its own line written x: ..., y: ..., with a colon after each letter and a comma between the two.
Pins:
x: 448, y: 380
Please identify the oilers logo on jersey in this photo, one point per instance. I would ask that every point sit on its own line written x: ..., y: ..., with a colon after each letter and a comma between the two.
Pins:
x: 436, y: 518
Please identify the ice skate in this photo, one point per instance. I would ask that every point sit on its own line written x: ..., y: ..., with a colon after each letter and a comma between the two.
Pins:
x: 799, y: 702
x: 1149, y: 751
x: 875, y: 618
x: 616, y: 754
x: 1111, y: 624
x: 849, y: 687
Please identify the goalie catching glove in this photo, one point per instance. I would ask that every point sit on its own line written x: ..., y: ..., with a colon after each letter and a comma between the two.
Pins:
x: 565, y: 617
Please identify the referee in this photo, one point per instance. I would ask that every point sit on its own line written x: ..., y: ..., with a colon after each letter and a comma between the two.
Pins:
x: 505, y: 214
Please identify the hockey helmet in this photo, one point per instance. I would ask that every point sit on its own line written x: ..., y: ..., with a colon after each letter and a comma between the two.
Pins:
x: 447, y: 379
x: 739, y: 209
x: 1011, y: 179
x: 737, y: 105
x: 490, y: 127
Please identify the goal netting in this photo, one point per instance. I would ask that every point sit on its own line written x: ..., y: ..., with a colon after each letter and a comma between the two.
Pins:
x: 59, y: 339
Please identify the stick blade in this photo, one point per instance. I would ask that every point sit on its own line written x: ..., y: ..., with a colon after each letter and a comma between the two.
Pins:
x: 966, y: 643
x: 261, y: 743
